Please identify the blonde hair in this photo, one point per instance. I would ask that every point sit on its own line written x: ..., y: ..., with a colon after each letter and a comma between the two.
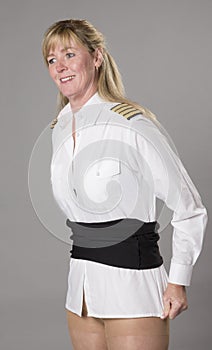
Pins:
x: 110, y: 86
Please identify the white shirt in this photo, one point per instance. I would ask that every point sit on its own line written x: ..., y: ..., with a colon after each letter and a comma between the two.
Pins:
x: 117, y: 170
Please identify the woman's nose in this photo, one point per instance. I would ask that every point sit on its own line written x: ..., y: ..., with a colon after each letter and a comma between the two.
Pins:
x: 61, y: 66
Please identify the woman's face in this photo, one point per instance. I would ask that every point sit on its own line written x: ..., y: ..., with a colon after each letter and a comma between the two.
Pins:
x: 72, y: 68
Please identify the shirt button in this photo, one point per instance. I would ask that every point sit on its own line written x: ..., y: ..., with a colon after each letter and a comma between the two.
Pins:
x: 98, y: 173
x: 77, y: 133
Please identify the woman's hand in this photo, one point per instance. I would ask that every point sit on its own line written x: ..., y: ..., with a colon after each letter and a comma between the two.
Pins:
x: 175, y: 301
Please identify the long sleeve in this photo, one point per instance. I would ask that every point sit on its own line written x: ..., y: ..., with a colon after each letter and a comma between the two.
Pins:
x: 172, y: 184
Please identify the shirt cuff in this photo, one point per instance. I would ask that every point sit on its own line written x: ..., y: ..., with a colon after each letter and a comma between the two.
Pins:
x: 180, y: 274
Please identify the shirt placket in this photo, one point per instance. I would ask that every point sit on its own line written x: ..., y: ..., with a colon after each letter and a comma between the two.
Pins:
x: 76, y: 137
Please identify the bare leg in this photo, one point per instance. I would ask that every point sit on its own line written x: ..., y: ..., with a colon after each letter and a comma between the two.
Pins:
x: 90, y: 333
x: 86, y: 333
x: 146, y: 333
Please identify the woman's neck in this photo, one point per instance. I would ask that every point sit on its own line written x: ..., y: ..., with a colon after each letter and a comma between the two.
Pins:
x: 78, y: 102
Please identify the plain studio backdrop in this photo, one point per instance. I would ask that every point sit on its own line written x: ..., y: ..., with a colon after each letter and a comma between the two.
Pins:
x: 163, y: 49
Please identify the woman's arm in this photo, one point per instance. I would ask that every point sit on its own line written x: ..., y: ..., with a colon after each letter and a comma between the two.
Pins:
x: 172, y: 184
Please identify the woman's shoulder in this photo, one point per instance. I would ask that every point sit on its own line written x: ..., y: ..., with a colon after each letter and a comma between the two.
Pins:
x: 123, y: 110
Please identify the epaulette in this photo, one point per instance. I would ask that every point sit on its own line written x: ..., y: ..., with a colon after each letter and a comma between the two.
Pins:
x: 53, y: 123
x: 126, y: 110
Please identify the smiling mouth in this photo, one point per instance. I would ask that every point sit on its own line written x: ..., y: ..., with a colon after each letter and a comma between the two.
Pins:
x: 64, y: 80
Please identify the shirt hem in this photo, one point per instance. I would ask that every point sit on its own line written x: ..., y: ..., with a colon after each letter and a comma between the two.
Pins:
x: 93, y: 314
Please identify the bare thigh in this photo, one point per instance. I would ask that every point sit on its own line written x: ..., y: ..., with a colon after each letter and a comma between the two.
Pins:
x: 91, y: 333
x: 145, y: 333
x: 86, y: 333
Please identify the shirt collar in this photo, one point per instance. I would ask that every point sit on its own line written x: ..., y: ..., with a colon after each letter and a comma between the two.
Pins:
x: 95, y: 99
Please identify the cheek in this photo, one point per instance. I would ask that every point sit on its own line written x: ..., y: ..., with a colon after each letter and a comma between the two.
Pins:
x: 53, y: 75
x: 51, y: 72
x: 86, y: 66
x: 88, y: 70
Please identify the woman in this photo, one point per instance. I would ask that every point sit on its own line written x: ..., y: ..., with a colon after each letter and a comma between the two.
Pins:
x: 110, y: 161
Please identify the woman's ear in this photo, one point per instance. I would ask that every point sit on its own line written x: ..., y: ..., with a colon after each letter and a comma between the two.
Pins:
x: 98, y: 55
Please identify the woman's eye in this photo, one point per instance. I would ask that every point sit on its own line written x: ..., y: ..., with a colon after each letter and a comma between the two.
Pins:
x: 70, y: 54
x: 51, y: 61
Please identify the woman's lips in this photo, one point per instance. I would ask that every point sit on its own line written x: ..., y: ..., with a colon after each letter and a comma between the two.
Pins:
x: 65, y: 79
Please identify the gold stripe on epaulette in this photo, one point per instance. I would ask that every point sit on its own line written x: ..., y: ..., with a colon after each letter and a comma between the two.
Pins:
x: 120, y: 107
x: 126, y: 110
x: 53, y: 123
x: 130, y: 115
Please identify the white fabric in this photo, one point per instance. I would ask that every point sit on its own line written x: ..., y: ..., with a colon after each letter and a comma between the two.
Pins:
x: 108, y: 187
x: 115, y: 292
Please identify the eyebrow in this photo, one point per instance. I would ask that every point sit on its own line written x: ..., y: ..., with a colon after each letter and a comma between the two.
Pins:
x: 64, y: 49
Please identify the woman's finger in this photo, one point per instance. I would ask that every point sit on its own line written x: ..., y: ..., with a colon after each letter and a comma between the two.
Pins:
x: 175, y: 301
x: 166, y: 310
x: 176, y: 308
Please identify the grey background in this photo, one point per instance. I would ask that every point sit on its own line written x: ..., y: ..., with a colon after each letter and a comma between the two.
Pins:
x: 163, y: 49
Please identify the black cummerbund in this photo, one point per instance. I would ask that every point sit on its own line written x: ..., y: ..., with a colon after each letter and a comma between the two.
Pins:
x: 127, y: 243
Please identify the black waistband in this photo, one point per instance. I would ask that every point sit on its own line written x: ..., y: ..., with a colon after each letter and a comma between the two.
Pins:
x: 96, y: 224
x: 128, y: 243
